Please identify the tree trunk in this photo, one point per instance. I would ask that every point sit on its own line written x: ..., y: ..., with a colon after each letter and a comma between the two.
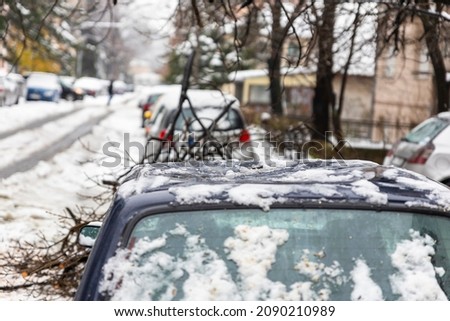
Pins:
x: 197, y: 59
x: 431, y: 28
x: 274, y: 63
x: 336, y: 116
x: 324, y: 96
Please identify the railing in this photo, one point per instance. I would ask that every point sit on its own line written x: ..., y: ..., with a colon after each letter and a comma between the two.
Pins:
x: 376, y: 131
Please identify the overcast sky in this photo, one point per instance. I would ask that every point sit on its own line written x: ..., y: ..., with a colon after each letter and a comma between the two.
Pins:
x: 149, y: 18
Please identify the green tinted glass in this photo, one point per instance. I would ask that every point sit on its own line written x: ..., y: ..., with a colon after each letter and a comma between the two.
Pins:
x: 287, y: 254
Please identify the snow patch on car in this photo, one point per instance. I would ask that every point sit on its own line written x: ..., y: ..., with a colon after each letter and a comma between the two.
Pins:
x: 420, y: 204
x: 253, y: 249
x: 370, y: 191
x: 364, y: 289
x: 198, y: 193
x: 439, y: 195
x: 204, y: 266
x: 260, y: 195
x: 317, y: 273
x: 138, y: 186
x: 157, y: 273
x: 321, y: 175
x: 416, y: 276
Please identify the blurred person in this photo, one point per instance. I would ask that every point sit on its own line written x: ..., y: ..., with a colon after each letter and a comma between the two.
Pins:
x: 110, y: 91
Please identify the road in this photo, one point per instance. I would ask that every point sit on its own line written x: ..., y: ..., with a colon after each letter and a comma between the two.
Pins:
x: 39, y: 139
x: 37, y: 123
x: 47, y: 153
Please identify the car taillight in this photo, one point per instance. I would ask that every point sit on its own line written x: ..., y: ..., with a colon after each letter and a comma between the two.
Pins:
x: 146, y: 107
x: 422, y: 155
x: 162, y: 135
x: 245, y: 136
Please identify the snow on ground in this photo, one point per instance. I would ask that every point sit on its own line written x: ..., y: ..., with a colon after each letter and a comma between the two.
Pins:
x: 22, y: 144
x: 19, y: 115
x: 366, y: 143
x: 31, y: 201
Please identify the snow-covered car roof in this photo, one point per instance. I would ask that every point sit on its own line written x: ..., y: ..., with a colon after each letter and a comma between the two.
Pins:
x: 90, y: 83
x: 444, y: 115
x: 16, y: 77
x: 43, y: 80
x: 158, y: 90
x: 341, y: 216
x: 161, y: 89
x: 252, y: 184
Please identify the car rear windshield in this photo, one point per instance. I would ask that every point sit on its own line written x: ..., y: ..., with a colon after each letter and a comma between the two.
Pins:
x: 232, y: 120
x: 153, y: 98
x: 283, y: 254
x: 426, y: 131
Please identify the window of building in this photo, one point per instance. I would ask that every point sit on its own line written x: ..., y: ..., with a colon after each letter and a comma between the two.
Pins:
x: 391, y: 62
x: 424, y: 64
x: 259, y: 94
x: 293, y: 51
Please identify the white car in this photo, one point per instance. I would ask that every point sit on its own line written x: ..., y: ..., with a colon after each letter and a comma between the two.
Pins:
x: 426, y: 149
x: 227, y: 131
x: 19, y: 86
x: 151, y: 96
x: 92, y: 86
x: 7, y: 91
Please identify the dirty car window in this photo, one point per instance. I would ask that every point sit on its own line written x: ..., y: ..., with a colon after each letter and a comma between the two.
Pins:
x: 287, y: 254
x: 230, y: 121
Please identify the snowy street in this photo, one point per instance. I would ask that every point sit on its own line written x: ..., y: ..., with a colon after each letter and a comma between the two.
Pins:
x: 224, y: 151
x: 31, y: 201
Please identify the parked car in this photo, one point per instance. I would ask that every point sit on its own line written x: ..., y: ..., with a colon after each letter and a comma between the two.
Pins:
x: 7, y: 91
x: 426, y: 149
x: 119, y: 87
x: 315, y: 230
x: 43, y: 86
x: 69, y: 92
x: 92, y: 86
x: 229, y: 132
x: 151, y: 96
x: 19, y: 86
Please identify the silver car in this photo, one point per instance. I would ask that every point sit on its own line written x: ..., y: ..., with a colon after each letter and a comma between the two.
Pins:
x: 426, y: 149
x: 7, y: 91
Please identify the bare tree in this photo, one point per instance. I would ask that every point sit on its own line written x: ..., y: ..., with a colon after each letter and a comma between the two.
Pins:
x: 432, y: 26
x: 279, y: 34
x: 337, y: 110
x: 324, y: 98
x: 436, y: 23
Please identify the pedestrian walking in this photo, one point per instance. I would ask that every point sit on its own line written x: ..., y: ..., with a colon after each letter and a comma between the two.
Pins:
x: 110, y: 91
